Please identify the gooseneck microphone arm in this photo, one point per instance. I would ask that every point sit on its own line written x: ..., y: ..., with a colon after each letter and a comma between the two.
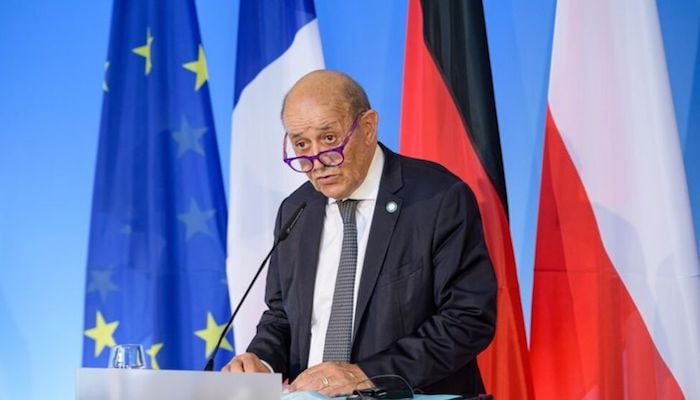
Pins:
x: 281, y: 235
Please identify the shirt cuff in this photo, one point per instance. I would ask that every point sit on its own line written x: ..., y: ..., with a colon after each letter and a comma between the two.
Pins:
x: 269, y: 367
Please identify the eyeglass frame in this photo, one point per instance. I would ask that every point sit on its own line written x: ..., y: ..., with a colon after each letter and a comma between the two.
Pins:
x: 339, y: 149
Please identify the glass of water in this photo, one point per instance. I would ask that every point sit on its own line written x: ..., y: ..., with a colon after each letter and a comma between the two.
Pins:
x: 127, y: 356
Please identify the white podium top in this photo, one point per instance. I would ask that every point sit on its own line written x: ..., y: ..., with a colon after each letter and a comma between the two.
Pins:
x: 130, y: 384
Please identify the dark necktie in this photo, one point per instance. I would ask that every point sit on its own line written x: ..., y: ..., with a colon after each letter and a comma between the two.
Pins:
x: 339, y: 334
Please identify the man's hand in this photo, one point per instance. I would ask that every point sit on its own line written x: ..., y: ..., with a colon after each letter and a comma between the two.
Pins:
x: 331, y: 379
x: 246, y: 362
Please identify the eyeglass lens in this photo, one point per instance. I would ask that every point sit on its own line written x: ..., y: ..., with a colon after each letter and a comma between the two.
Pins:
x: 329, y: 158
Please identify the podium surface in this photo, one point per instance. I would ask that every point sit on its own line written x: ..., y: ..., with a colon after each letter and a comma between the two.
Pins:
x: 123, y: 384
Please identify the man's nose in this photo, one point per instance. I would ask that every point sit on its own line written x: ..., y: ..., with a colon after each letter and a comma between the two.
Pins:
x: 318, y: 165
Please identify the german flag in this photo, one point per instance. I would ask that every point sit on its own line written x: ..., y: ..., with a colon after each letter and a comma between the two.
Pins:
x: 449, y: 116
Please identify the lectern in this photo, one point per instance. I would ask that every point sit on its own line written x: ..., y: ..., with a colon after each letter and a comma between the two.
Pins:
x: 130, y: 384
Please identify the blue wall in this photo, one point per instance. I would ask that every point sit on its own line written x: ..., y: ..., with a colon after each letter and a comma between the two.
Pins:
x: 51, y: 68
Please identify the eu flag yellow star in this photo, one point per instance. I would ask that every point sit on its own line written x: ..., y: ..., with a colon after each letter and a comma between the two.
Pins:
x: 211, y: 334
x: 199, y: 67
x: 102, y: 334
x: 152, y: 353
x: 145, y: 51
x: 196, y: 220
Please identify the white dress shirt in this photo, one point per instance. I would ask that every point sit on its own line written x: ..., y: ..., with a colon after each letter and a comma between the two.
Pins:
x: 329, y: 253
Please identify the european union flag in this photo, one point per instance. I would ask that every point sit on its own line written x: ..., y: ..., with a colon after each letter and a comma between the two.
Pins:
x: 156, y: 263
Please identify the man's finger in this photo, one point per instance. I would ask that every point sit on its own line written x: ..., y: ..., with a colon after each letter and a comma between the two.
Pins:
x: 246, y: 362
x: 312, y: 379
x: 253, y: 364
x: 233, y: 366
x: 328, y: 378
x: 338, y: 385
x: 305, y: 381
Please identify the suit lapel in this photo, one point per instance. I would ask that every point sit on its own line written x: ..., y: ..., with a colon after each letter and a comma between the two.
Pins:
x: 382, y: 228
x: 310, y: 240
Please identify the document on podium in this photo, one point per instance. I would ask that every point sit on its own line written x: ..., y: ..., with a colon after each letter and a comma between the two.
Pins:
x: 123, y: 384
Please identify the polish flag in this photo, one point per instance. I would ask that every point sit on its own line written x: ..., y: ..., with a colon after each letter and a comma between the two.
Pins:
x: 616, y: 306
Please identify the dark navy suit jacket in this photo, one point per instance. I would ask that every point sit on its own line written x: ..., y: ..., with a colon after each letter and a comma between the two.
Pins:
x: 426, y: 304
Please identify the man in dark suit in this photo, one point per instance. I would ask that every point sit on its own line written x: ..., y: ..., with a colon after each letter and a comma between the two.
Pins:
x: 386, y: 272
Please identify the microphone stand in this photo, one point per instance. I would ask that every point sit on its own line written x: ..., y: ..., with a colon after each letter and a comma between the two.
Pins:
x: 284, y: 232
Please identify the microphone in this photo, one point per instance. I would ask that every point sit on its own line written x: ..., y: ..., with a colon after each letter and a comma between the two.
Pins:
x: 279, y: 237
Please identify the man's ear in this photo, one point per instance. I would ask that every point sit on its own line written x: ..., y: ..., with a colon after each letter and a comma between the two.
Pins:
x: 369, y: 124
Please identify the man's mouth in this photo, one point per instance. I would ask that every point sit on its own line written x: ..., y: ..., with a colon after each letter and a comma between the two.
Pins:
x: 325, y: 179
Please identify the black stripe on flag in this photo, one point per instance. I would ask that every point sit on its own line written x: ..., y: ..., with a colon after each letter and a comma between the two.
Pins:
x: 455, y: 35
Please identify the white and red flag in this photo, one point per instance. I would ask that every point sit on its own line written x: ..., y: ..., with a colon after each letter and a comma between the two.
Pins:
x: 616, y: 302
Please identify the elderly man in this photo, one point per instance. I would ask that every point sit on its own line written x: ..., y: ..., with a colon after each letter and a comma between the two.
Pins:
x: 386, y: 271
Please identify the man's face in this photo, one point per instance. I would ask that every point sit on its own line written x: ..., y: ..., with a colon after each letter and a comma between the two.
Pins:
x: 314, y: 126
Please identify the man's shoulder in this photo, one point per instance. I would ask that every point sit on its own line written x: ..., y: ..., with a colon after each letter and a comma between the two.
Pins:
x: 425, y: 172
x: 426, y: 167
x: 305, y: 193
x: 423, y: 180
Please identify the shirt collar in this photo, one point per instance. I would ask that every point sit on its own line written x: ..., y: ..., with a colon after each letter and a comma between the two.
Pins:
x: 369, y: 188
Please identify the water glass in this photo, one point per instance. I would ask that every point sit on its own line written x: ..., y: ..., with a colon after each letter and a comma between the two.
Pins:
x: 127, y: 356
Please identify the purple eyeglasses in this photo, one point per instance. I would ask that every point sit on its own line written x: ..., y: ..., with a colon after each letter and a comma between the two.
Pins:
x: 330, y: 158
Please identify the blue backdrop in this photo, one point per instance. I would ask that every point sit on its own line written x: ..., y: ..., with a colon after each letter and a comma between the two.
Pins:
x: 51, y: 71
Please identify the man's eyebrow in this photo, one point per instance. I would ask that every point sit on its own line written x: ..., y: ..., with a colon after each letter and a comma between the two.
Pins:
x: 326, y: 127
x: 329, y: 126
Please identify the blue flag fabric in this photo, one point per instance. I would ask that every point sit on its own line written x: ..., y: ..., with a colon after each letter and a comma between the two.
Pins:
x: 156, y: 262
x: 266, y: 29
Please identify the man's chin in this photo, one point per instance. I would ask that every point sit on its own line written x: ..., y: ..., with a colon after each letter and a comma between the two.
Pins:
x: 332, y: 194
x: 332, y: 190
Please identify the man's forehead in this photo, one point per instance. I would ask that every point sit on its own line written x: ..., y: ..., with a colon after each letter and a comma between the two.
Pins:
x: 315, y: 103
x: 300, y: 128
x: 317, y: 120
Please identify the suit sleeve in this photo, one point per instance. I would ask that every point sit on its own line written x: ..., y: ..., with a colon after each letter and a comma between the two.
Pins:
x: 464, y: 293
x: 272, y: 340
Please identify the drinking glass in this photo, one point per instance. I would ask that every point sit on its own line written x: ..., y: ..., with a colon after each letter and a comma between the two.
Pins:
x: 127, y: 356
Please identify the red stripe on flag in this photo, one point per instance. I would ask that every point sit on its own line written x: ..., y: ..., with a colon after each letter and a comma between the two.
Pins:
x: 432, y: 128
x: 588, y: 338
